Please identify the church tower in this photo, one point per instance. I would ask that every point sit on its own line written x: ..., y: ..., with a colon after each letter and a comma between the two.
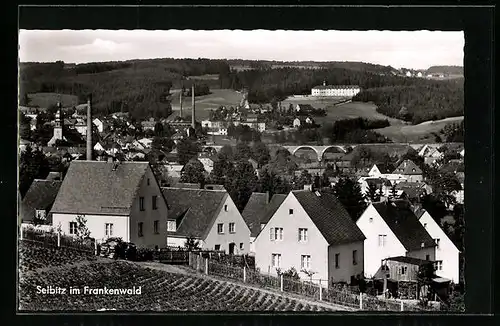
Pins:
x: 58, y: 127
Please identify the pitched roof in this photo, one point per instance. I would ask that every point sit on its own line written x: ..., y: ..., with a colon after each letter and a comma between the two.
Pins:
x: 408, y: 167
x: 272, y: 207
x: 195, y: 210
x: 254, y: 211
x: 405, y: 225
x: 40, y: 195
x: 329, y: 216
x: 409, y: 260
x: 92, y: 187
x: 336, y: 87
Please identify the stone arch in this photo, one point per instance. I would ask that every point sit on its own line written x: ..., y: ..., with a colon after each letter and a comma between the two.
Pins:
x: 309, y: 147
x: 340, y: 149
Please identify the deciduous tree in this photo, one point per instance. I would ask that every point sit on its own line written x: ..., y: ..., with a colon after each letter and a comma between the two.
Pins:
x: 193, y: 172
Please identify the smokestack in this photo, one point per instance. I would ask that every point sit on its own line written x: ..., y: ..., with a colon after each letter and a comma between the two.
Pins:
x: 89, y: 129
x: 180, y: 100
x: 193, y: 118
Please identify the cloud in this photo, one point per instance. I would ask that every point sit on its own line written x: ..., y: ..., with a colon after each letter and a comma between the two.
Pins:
x: 411, y: 49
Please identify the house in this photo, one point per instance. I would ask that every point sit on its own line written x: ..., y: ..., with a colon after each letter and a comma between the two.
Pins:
x: 208, y: 163
x: 392, y: 229
x: 410, y: 171
x: 447, y: 254
x: 253, y: 213
x: 312, y: 232
x: 400, y: 268
x: 209, y: 216
x: 146, y: 142
x: 100, y: 124
x: 304, y: 108
x: 412, y: 190
x: 98, y: 147
x: 38, y: 201
x: 149, y: 124
x: 117, y: 199
x: 81, y: 127
x: 431, y: 154
x: 382, y: 185
x: 296, y: 122
x: 378, y: 171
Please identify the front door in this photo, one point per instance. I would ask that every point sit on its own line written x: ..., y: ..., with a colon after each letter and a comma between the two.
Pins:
x: 231, y: 248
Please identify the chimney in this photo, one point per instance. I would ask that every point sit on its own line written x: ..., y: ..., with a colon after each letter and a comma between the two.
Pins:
x: 89, y: 129
x: 193, y: 118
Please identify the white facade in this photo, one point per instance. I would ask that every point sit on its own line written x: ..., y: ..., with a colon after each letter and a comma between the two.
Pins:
x: 208, y: 163
x: 372, y: 225
x: 96, y: 225
x: 291, y: 249
x: 296, y: 123
x: 335, y: 91
x: 99, y: 124
x: 446, y: 251
x: 98, y: 147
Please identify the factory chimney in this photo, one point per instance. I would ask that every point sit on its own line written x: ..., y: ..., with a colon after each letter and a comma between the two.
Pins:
x: 89, y: 128
x: 193, y: 118
x: 180, y: 100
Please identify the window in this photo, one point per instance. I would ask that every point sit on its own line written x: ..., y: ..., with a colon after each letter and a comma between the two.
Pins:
x: 290, y: 211
x: 276, y: 260
x: 72, y: 227
x: 302, y: 235
x: 225, y: 208
x: 425, y: 225
x: 231, y: 227
x: 108, y: 229
x: 371, y: 219
x: 155, y: 226
x: 154, y: 202
x: 148, y: 181
x: 278, y: 234
x: 337, y: 260
x: 437, y: 243
x: 139, y: 229
x: 241, y: 245
x: 141, y: 203
x: 171, y: 226
x: 40, y: 214
x: 220, y: 228
x: 354, y: 257
x: 217, y: 247
x: 427, y: 257
x: 439, y: 265
x: 305, y: 261
x: 403, y: 270
x: 382, y: 240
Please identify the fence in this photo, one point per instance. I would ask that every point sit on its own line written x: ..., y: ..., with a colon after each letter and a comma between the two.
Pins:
x: 314, y: 289
x: 56, y: 239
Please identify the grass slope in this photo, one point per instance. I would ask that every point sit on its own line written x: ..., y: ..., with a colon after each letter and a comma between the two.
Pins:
x: 43, y: 100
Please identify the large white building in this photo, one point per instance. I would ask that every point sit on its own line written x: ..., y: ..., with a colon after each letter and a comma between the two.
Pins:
x: 335, y: 90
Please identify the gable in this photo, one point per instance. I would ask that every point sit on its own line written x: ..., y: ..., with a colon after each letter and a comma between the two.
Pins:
x: 234, y: 217
x: 376, y: 226
x: 434, y: 230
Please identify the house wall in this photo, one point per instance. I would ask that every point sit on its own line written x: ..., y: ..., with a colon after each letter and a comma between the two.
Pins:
x: 240, y: 236
x: 373, y: 254
x: 148, y: 216
x: 447, y: 251
x: 346, y: 268
x: 414, y: 178
x: 290, y: 248
x: 180, y: 242
x: 95, y: 224
x: 252, y: 245
x: 422, y: 253
x: 395, y: 271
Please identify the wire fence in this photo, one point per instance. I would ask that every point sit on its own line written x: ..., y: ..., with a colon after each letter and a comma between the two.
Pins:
x: 55, y: 239
x: 315, y: 289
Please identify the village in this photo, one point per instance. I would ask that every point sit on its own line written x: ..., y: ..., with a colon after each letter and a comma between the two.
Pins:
x: 159, y: 184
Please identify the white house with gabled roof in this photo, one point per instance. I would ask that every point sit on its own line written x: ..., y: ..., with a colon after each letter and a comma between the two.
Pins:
x: 447, y: 254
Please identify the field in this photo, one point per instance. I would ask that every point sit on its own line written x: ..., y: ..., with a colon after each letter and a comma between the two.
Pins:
x: 205, y: 103
x: 417, y: 133
x: 159, y: 290
x: 316, y: 102
x: 43, y: 100
x: 204, y: 77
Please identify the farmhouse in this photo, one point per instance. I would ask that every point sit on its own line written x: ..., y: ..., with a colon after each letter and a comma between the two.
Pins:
x: 209, y: 216
x: 38, y: 200
x: 118, y: 199
x: 392, y: 229
x: 312, y: 232
x: 335, y: 90
x: 447, y: 254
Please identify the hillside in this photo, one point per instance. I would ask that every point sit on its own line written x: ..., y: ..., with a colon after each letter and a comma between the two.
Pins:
x: 447, y: 70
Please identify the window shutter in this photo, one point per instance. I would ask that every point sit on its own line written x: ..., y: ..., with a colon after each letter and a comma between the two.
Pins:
x: 271, y: 234
x: 299, y: 234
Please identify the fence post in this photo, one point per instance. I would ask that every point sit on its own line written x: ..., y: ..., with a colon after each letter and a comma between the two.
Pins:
x: 360, y: 300
x: 320, y: 291
x: 244, y: 274
x: 58, y: 239
x: 281, y: 282
x: 402, y: 305
x: 206, y: 266
x: 21, y: 232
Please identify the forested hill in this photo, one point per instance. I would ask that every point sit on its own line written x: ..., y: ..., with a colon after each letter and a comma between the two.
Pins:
x: 447, y: 70
x: 142, y: 87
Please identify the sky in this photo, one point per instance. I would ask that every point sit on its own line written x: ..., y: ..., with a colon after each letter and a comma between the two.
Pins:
x: 399, y: 49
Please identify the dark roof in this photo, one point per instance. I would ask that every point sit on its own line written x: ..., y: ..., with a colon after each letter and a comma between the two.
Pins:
x: 336, y: 87
x: 408, y: 167
x: 329, y: 216
x: 254, y: 211
x: 195, y: 210
x: 409, y: 260
x: 412, y: 189
x: 272, y: 207
x: 383, y: 169
x: 405, y: 225
x: 184, y: 185
x: 92, y: 187
x: 40, y: 195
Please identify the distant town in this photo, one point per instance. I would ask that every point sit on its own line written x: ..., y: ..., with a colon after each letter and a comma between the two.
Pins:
x: 350, y: 192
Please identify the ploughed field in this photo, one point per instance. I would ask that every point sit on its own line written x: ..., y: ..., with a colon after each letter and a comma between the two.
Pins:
x: 159, y: 290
